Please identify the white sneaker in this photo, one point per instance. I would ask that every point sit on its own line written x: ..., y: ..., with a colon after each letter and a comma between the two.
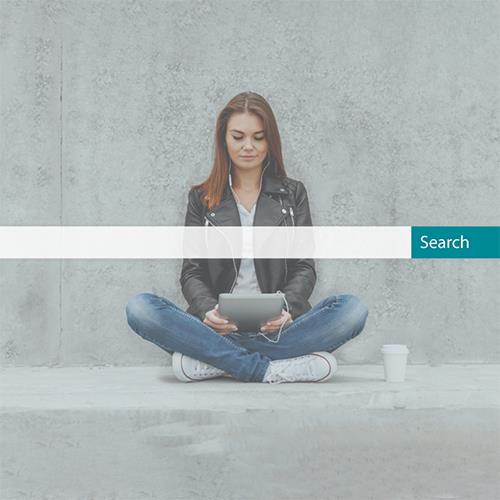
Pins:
x: 189, y: 369
x: 314, y: 367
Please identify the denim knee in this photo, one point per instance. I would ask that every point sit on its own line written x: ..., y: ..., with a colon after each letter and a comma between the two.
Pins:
x: 354, y: 299
x: 136, y: 306
x: 344, y: 299
x: 139, y: 306
x: 359, y: 314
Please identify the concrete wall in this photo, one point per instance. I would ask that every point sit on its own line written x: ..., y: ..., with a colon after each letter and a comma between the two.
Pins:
x: 388, y: 112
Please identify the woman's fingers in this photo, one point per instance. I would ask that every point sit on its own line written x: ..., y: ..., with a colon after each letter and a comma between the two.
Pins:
x: 275, y: 324
x: 221, y: 325
x: 217, y: 319
x: 218, y: 323
x: 215, y: 315
x: 284, y: 316
x: 226, y: 326
x: 220, y: 319
x: 218, y: 326
x: 278, y: 318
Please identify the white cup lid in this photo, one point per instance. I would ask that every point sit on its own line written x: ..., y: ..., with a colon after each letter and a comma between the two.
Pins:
x: 396, y: 348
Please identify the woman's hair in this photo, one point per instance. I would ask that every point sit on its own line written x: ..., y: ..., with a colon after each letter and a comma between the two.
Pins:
x: 212, y: 188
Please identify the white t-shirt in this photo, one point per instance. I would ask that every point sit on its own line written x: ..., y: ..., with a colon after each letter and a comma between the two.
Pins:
x: 247, y: 278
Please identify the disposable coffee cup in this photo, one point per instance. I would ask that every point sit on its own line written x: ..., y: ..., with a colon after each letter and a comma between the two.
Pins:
x: 395, y: 357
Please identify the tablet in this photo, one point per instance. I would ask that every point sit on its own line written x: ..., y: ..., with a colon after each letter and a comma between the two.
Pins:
x: 250, y: 312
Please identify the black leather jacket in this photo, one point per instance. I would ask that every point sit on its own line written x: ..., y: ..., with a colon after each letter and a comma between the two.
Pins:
x: 203, y: 279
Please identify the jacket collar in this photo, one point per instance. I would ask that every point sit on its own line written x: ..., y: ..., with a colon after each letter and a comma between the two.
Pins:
x: 268, y: 211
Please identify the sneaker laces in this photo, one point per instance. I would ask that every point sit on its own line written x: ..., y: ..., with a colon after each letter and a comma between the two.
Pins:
x: 204, y: 369
x: 278, y: 370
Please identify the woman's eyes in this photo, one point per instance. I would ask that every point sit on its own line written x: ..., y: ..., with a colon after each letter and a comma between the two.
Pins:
x: 239, y: 138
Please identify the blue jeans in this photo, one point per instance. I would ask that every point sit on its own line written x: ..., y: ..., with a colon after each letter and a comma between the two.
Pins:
x: 246, y: 355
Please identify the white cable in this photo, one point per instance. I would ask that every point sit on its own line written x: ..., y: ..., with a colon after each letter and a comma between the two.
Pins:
x: 282, y: 324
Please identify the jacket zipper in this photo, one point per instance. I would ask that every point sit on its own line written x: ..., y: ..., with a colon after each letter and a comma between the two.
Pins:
x: 207, y: 221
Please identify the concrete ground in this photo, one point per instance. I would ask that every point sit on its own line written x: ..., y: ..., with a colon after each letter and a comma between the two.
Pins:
x: 136, y: 433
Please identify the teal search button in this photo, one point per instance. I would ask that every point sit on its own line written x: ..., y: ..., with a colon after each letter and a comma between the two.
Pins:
x: 455, y: 242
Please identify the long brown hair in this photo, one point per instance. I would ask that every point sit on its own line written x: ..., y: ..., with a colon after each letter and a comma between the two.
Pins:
x: 213, y: 187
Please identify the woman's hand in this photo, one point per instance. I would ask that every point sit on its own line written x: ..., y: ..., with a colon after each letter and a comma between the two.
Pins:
x: 274, y: 324
x: 214, y: 320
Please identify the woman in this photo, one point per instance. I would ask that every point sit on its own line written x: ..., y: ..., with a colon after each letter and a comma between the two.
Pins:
x: 248, y: 185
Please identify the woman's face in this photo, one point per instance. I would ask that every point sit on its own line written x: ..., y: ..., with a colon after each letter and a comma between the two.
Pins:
x: 245, y: 137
